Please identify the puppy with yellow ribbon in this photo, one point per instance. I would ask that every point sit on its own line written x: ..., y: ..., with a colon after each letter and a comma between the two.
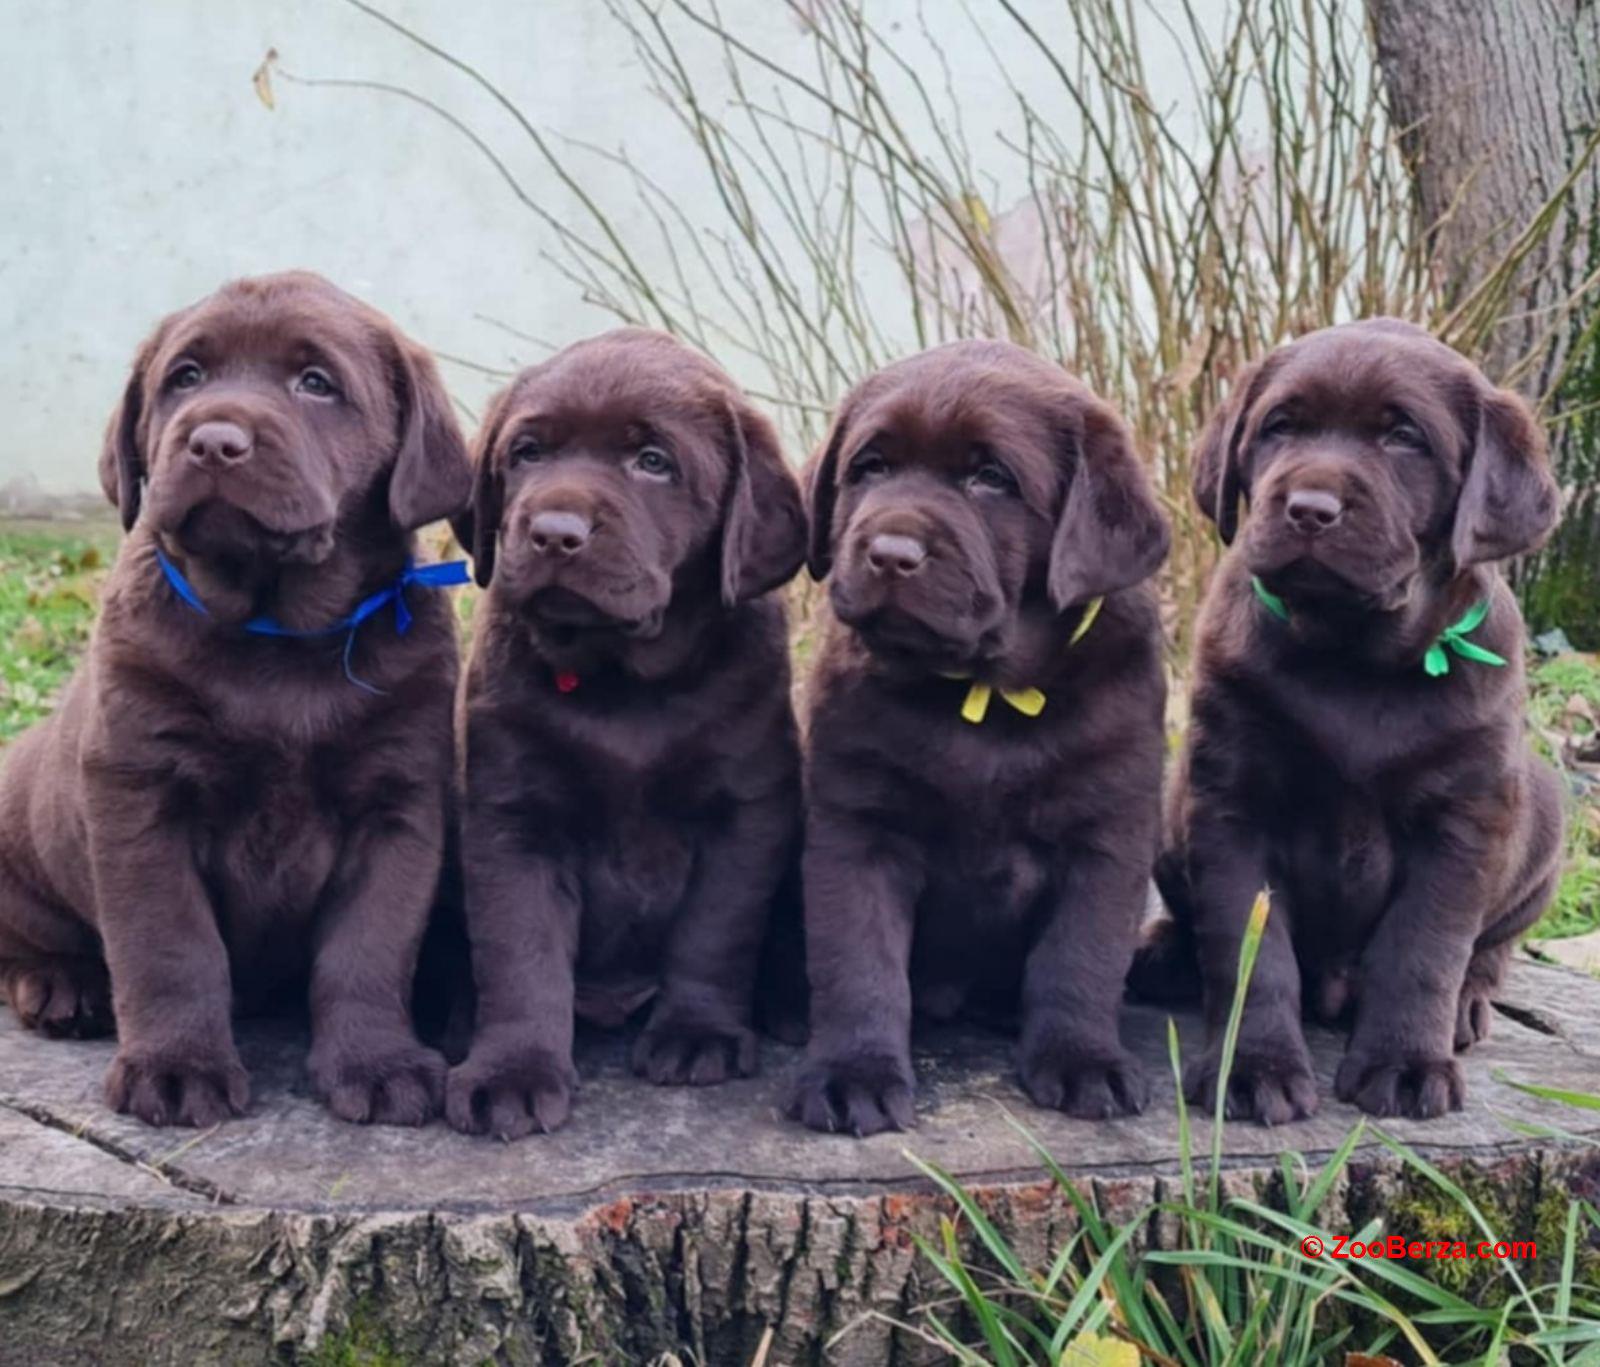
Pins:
x: 985, y: 730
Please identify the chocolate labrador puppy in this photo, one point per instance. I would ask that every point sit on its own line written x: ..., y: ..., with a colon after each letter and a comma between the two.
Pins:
x: 632, y: 768
x: 1357, y: 741
x: 985, y: 737
x: 243, y: 789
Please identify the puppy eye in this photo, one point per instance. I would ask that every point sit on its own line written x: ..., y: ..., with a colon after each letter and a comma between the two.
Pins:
x: 185, y: 375
x: 1278, y: 425
x: 993, y: 478
x: 654, y: 463
x: 526, y: 449
x: 315, y: 381
x: 868, y: 465
x: 1406, y: 433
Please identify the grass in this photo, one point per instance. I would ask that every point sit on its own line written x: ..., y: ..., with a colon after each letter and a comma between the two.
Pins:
x: 1564, y: 711
x: 1235, y: 1287
x: 49, y: 579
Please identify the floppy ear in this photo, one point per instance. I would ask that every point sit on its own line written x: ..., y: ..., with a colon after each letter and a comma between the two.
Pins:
x: 764, y: 524
x: 1214, y: 460
x: 123, y: 468
x: 477, y: 526
x: 821, y: 480
x: 1509, y: 502
x: 431, y: 478
x: 1111, y: 535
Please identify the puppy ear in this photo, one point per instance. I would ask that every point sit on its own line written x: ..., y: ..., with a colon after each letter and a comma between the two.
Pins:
x: 477, y: 526
x: 821, y: 480
x: 431, y: 478
x: 1214, y: 462
x: 764, y: 523
x: 1509, y: 503
x: 122, y: 464
x: 1112, y: 534
x: 123, y: 467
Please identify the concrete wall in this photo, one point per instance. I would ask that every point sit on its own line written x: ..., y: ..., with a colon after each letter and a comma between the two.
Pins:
x: 139, y: 170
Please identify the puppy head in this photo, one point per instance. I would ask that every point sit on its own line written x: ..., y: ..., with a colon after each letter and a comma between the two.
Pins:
x: 1371, y: 457
x: 257, y: 419
x: 620, y: 473
x: 966, y: 486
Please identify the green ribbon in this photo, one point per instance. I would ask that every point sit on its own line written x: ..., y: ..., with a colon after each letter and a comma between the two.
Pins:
x: 1437, y: 660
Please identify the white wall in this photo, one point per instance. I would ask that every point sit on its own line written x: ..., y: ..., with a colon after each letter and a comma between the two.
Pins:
x: 138, y: 171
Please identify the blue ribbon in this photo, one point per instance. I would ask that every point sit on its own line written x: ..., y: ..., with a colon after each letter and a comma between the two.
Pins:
x: 447, y: 574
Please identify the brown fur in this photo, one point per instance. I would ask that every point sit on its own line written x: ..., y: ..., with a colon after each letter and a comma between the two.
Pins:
x: 998, y: 866
x: 221, y: 819
x: 623, y: 838
x: 1404, y: 826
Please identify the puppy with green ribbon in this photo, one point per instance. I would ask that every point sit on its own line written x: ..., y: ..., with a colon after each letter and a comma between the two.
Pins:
x: 1357, y: 742
x: 985, y: 735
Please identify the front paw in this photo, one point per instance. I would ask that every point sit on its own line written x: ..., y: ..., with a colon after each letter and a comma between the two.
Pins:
x: 1418, y: 1087
x: 684, y: 1053
x: 387, y: 1079
x: 1270, y: 1081
x: 857, y: 1094
x: 509, y: 1088
x: 178, y: 1084
x: 1092, y: 1085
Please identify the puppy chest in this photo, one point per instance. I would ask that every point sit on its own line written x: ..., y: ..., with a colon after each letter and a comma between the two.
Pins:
x: 267, y: 837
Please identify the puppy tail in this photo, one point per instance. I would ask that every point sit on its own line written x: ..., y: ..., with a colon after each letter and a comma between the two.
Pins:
x: 1165, y: 968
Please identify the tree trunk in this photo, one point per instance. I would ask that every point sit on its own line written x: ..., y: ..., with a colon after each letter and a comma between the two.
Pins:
x: 1498, y: 100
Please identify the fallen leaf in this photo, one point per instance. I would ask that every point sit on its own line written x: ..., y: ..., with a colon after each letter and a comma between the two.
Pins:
x: 262, y: 78
x: 1099, y: 1350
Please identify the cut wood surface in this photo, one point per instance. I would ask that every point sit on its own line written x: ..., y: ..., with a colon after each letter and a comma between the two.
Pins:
x: 658, y: 1220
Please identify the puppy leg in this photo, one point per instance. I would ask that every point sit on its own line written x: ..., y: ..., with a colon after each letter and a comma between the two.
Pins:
x: 1534, y: 886
x: 861, y: 892
x: 1486, y: 970
x: 50, y: 966
x: 171, y: 990
x: 522, y: 917
x: 699, y: 1030
x: 1399, y: 1061
x: 1071, y: 1058
x: 366, y: 1063
x: 1271, y: 1077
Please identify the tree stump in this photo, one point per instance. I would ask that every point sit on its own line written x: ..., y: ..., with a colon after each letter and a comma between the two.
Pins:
x: 683, y: 1221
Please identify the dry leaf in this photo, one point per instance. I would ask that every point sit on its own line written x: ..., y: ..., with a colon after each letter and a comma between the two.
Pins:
x: 1099, y: 1350
x: 1369, y: 1360
x: 262, y: 79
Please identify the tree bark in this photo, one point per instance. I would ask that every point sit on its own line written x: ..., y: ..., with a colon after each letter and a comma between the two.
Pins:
x: 1497, y: 100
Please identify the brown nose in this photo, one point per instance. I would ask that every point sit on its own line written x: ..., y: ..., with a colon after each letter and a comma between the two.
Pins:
x: 556, y: 532
x: 899, y: 556
x: 1313, y: 511
x: 219, y: 444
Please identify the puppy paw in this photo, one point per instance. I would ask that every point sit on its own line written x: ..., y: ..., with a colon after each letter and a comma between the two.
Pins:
x: 64, y: 998
x: 178, y: 1085
x: 677, y: 1054
x: 388, y: 1080
x: 1418, y: 1088
x: 1088, y: 1085
x: 858, y: 1095
x: 510, y: 1089
x: 1272, y: 1084
x: 1474, y: 1014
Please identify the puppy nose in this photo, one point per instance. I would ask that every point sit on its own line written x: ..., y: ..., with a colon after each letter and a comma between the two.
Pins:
x: 560, y: 533
x: 1313, y: 511
x: 896, y: 555
x: 218, y: 443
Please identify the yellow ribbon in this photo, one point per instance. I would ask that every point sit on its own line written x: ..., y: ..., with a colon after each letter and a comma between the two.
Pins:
x: 1028, y: 701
